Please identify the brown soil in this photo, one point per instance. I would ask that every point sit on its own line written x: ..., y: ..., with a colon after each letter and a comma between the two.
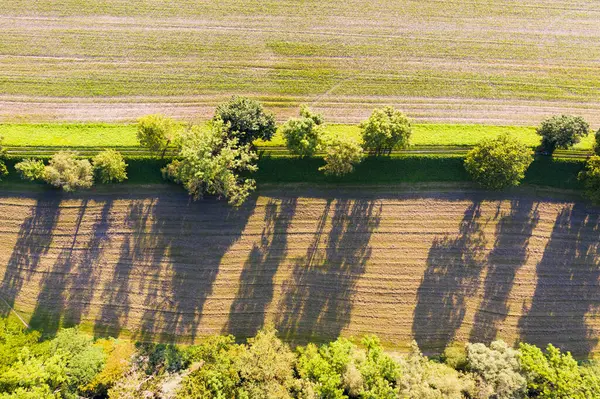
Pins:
x: 404, y: 265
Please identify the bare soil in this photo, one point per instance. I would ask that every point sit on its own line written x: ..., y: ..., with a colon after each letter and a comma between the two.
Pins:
x: 404, y: 264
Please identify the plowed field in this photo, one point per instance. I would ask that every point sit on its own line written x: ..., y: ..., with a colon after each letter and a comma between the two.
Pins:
x: 456, y: 265
x: 497, y: 62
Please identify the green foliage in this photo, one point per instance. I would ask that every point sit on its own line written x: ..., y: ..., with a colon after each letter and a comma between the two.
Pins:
x: 386, y: 129
x: 246, y: 120
x: 67, y: 172
x: 499, y: 368
x: 210, y: 163
x: 597, y: 142
x: 379, y: 372
x: 110, y: 166
x: 305, y: 112
x: 591, y: 178
x: 555, y: 375
x: 303, y: 135
x: 156, y: 132
x: 341, y: 154
x: 498, y: 163
x: 562, y: 131
x: 3, y: 168
x: 118, y: 355
x: 31, y: 169
x: 455, y: 356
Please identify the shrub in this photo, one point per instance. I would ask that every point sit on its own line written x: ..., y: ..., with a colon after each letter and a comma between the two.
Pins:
x: 385, y: 130
x: 341, y: 154
x: 156, y: 132
x: 210, y: 163
x: 591, y: 178
x: 246, y: 119
x: 498, y: 163
x: 3, y: 169
x: 455, y: 356
x: 303, y: 135
x: 562, y: 131
x: 69, y: 173
x: 597, y: 142
x: 499, y: 368
x: 109, y: 166
x: 31, y: 169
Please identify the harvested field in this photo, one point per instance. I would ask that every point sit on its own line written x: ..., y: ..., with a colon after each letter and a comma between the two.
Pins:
x: 494, y: 62
x: 435, y: 264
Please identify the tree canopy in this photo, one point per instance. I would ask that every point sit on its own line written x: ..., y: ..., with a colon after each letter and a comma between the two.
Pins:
x: 210, y: 162
x: 110, y: 166
x: 498, y: 163
x: 246, y: 120
x: 156, y: 132
x: 386, y: 129
x: 303, y: 135
x: 562, y: 131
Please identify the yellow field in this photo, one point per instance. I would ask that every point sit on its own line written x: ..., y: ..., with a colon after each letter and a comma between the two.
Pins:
x: 403, y: 264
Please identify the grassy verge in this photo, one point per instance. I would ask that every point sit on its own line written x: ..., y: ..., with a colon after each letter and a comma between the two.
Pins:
x: 544, y: 171
x: 124, y: 135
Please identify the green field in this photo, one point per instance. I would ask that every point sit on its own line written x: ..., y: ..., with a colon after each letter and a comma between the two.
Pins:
x: 124, y: 135
x: 508, y: 62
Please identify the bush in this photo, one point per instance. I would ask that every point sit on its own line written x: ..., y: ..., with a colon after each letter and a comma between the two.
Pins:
x: 499, y: 368
x: 210, y: 163
x: 109, y: 166
x: 591, y: 178
x: 31, y: 169
x: 3, y: 168
x: 562, y: 131
x: 69, y: 173
x: 385, y: 130
x: 303, y: 135
x: 341, y: 154
x: 246, y: 119
x: 498, y: 163
x: 156, y: 132
x: 455, y: 356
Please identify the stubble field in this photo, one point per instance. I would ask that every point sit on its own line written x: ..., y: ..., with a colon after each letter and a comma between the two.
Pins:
x: 431, y: 263
x: 494, y: 62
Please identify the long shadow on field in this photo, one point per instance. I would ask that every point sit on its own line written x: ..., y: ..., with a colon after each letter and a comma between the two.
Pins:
x: 317, y: 300
x: 247, y: 312
x: 53, y: 297
x: 454, y: 265
x: 567, y: 284
x: 509, y: 254
x: 33, y: 243
x: 168, y: 263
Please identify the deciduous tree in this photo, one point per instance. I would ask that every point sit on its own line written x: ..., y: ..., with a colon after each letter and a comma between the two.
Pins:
x: 246, y: 120
x: 562, y: 131
x: 386, y: 129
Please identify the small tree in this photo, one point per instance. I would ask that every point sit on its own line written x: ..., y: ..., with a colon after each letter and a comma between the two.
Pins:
x: 562, y: 131
x: 597, y: 142
x: 156, y: 132
x: 385, y: 130
x: 3, y: 169
x: 303, y: 135
x: 31, y: 169
x: 210, y: 162
x: 109, y: 165
x: 341, y: 154
x: 246, y: 120
x: 591, y: 178
x: 69, y: 173
x: 498, y: 163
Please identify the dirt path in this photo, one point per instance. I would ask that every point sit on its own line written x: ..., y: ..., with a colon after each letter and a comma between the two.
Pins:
x: 426, y: 265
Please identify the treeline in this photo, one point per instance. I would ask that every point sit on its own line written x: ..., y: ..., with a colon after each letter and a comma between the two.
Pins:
x: 220, y: 159
x: 74, y: 365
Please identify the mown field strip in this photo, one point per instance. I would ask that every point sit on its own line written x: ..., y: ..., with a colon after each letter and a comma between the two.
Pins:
x: 506, y: 63
x: 399, y: 263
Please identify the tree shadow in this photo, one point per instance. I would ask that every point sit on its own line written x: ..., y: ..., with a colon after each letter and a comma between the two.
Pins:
x: 317, y: 301
x: 506, y: 258
x: 33, y: 243
x: 247, y: 312
x: 454, y: 265
x: 567, y: 284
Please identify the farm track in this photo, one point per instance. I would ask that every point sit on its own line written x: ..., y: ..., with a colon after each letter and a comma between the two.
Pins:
x: 480, y: 61
x: 433, y: 264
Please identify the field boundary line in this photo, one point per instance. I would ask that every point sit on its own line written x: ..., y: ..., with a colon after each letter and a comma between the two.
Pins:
x: 14, y: 311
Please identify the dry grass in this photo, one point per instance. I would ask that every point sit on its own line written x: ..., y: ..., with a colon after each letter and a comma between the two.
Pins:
x: 509, y: 62
x: 424, y: 264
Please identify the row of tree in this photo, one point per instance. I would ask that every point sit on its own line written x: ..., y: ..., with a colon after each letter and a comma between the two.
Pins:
x: 74, y: 365
x: 217, y: 159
